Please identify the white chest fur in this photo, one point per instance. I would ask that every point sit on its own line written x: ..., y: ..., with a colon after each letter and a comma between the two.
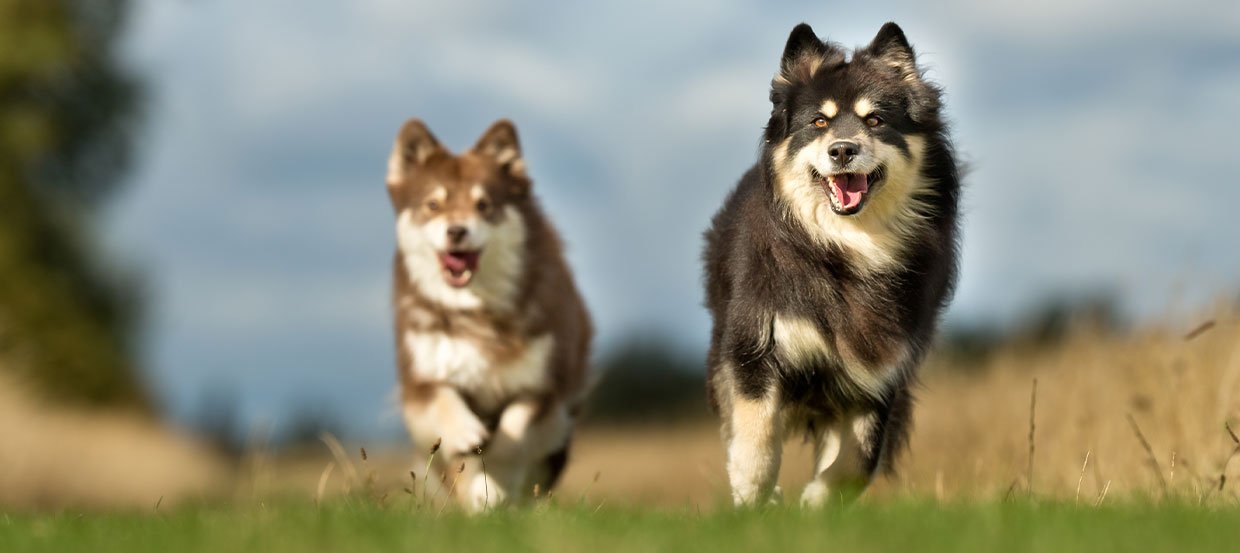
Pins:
x: 799, y: 343
x: 465, y: 363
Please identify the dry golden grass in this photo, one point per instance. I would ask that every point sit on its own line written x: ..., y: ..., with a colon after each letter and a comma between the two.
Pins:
x: 56, y: 456
x: 970, y: 437
x: 971, y: 431
x: 1096, y: 395
x: 1108, y: 397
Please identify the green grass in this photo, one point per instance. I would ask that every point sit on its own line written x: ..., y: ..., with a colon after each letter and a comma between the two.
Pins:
x: 874, y: 526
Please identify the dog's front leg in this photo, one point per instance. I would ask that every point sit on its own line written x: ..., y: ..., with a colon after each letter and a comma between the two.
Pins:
x: 752, y: 429
x: 435, y: 412
x: 529, y: 430
x: 844, y: 451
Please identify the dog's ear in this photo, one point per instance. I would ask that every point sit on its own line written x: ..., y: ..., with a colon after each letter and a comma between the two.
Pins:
x: 414, y: 146
x: 499, y: 144
x: 891, y: 47
x: 804, y: 53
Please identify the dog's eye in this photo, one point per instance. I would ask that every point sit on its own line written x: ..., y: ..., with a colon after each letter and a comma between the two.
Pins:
x: 820, y: 122
x: 483, y: 206
x: 432, y: 205
x: 873, y: 121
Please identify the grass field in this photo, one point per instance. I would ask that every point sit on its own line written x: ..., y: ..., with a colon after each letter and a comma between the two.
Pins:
x: 356, y: 526
x: 1116, y: 416
x: 1127, y: 446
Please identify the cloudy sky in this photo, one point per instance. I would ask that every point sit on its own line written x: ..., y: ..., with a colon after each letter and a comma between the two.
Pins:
x: 1100, y: 135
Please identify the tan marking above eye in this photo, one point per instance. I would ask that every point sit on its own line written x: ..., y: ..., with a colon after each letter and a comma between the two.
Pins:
x: 863, y: 107
x: 436, y: 198
x: 830, y: 108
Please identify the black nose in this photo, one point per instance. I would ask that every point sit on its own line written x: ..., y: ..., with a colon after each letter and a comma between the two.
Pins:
x: 843, y: 152
x: 456, y: 234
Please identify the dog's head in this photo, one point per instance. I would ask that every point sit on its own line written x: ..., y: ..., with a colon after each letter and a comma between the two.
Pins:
x: 842, y: 130
x: 456, y: 209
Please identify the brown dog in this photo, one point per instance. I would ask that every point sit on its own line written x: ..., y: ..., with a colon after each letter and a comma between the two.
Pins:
x: 492, y: 337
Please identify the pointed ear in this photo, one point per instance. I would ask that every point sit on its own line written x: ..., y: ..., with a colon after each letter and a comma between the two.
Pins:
x: 414, y: 145
x: 804, y: 53
x: 892, y: 48
x: 499, y: 143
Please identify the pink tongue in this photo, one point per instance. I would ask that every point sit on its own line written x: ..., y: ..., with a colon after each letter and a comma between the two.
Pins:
x: 453, y: 263
x: 458, y: 262
x: 849, y: 189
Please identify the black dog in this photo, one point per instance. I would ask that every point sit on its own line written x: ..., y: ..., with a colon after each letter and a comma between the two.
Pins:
x: 828, y: 266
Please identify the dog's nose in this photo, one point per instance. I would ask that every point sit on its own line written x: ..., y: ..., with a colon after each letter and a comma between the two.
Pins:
x: 843, y: 152
x: 456, y: 234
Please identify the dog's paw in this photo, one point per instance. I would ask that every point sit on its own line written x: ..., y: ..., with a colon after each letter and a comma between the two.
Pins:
x: 464, y: 436
x: 776, y: 497
x: 815, y: 494
x: 485, y: 494
x: 754, y: 497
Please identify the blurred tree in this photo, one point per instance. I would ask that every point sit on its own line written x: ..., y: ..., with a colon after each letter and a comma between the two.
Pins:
x: 67, y: 113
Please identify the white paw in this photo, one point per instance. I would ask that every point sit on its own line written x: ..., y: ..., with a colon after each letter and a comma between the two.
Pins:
x: 776, y: 497
x: 752, y: 495
x: 815, y: 494
x: 485, y: 494
x: 464, y: 435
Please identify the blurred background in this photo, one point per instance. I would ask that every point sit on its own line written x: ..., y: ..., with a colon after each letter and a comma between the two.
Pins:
x: 195, y: 239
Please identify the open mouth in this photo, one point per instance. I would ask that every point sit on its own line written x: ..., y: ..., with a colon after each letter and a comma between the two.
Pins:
x: 459, y: 266
x: 848, y: 191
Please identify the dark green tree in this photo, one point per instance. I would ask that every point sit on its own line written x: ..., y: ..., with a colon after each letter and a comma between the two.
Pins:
x: 67, y: 116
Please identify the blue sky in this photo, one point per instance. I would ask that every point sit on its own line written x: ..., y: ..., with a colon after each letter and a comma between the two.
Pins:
x: 1100, y: 136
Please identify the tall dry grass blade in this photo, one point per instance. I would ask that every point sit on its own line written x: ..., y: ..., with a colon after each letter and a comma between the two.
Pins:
x: 426, y: 475
x: 1033, y: 409
x: 1007, y: 496
x: 451, y: 490
x: 1103, y: 496
x: 1076, y: 498
x: 443, y: 485
x: 486, y: 491
x: 342, y: 459
x: 1096, y: 468
x: 1171, y: 472
x: 1199, y: 330
x: 323, y: 478
x: 368, y: 485
x: 1222, y: 473
x: 1149, y: 453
